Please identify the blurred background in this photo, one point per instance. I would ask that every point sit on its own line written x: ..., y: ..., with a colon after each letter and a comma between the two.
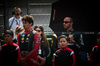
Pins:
x: 39, y: 9
x: 86, y: 15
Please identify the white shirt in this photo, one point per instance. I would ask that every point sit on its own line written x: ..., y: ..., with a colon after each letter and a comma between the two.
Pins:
x: 16, y: 22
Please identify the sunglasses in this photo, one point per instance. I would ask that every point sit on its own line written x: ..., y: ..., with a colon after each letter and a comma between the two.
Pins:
x: 38, y: 30
x: 66, y: 22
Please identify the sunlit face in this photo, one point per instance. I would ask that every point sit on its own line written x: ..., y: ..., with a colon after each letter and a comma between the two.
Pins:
x: 63, y: 43
x: 26, y: 25
x: 38, y: 30
x: 8, y: 38
x: 98, y: 40
x: 67, y: 25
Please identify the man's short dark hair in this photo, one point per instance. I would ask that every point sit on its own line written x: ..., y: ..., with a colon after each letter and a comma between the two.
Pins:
x: 71, y: 19
x: 98, y: 35
x: 10, y: 32
x: 28, y: 18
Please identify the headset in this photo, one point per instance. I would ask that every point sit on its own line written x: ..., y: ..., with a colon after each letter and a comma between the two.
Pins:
x: 13, y: 12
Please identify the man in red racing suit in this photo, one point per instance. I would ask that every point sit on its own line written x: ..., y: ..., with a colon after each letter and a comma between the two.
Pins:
x: 29, y: 42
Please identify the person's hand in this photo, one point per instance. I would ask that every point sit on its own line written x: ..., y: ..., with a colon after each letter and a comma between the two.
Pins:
x: 23, y: 60
x: 43, y: 60
x: 71, y: 38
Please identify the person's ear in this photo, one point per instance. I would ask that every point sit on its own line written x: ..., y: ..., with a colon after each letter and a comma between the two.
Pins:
x: 72, y: 23
x: 12, y: 37
x: 31, y: 24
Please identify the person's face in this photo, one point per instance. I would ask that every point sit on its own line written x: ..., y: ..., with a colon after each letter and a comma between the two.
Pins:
x: 17, y: 12
x: 98, y: 40
x: 68, y: 24
x: 63, y: 43
x: 38, y: 30
x: 8, y: 38
x: 26, y: 25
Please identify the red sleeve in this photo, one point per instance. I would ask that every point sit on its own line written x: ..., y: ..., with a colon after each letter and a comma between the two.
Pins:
x: 36, y: 46
x: 18, y: 50
x: 92, y: 53
x: 53, y: 63
x: 18, y: 39
x: 74, y: 61
x: 91, y: 56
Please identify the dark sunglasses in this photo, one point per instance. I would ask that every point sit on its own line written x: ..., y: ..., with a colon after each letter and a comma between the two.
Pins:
x: 66, y: 22
x: 38, y: 30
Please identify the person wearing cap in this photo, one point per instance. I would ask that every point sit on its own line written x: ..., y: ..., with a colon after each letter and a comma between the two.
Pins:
x: 95, y: 53
x: 10, y: 53
x: 64, y: 56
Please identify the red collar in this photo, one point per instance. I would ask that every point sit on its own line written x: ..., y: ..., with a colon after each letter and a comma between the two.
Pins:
x: 64, y: 48
x: 28, y: 31
x: 10, y: 43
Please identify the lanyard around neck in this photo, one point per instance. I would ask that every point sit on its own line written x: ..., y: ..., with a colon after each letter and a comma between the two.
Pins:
x: 17, y: 23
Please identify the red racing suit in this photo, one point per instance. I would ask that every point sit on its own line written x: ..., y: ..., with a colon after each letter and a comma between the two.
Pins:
x: 29, y: 42
x: 64, y: 57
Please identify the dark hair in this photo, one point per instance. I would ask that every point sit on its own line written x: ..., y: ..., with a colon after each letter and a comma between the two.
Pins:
x: 62, y: 36
x: 98, y: 35
x: 28, y: 18
x: 38, y: 26
x: 43, y: 35
x: 71, y: 20
x: 13, y: 12
x: 10, y: 32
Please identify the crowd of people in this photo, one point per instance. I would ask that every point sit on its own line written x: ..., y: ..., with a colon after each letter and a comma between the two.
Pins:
x: 27, y: 46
